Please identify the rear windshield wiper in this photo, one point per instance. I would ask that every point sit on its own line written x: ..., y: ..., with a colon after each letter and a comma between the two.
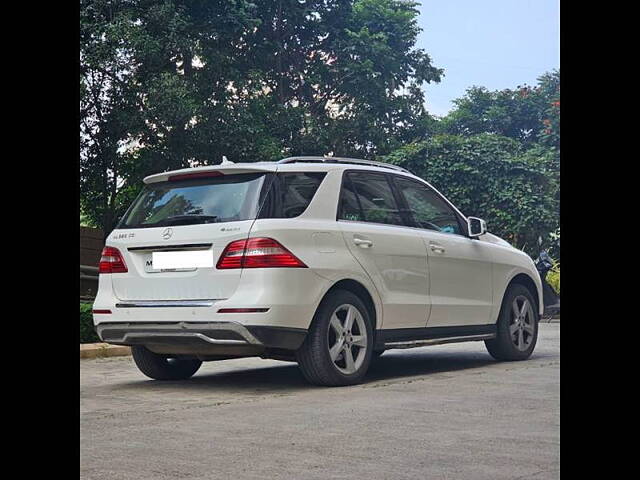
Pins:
x: 186, y: 219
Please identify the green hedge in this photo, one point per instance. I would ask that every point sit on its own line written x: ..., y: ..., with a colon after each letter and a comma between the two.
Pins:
x: 87, y: 334
x: 553, y: 277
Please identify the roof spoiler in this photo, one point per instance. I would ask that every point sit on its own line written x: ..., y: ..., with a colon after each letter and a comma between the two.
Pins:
x: 224, y: 169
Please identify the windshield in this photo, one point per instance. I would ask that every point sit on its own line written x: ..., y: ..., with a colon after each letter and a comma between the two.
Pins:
x: 227, y: 198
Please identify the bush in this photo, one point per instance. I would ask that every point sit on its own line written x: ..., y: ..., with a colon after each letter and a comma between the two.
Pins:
x: 87, y: 333
x: 492, y: 177
x: 553, y: 277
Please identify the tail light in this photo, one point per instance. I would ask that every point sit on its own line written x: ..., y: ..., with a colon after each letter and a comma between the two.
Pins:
x: 111, y: 261
x: 258, y: 253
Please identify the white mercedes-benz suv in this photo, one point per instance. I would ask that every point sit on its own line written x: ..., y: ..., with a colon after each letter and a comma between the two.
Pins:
x: 323, y: 261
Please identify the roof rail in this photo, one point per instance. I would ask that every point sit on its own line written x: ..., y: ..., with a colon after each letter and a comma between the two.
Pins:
x: 355, y: 161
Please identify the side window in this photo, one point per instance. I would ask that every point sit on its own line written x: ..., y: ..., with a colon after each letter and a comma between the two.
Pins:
x: 290, y: 193
x: 428, y: 210
x: 349, y: 206
x: 368, y: 197
x: 297, y: 190
x: 268, y: 197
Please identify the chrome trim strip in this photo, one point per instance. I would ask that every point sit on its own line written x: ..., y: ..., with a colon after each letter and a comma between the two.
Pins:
x: 438, y: 341
x: 160, y: 248
x: 182, y: 329
x: 147, y: 336
x: 165, y: 303
x: 239, y: 329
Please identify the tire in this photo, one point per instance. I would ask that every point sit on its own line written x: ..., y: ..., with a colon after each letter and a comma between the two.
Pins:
x: 159, y: 367
x: 322, y: 367
x: 514, y: 328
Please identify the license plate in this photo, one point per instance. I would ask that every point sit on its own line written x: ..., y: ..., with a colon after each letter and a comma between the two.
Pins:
x: 184, y: 261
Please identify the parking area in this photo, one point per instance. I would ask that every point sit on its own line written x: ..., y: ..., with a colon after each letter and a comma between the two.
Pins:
x: 437, y: 412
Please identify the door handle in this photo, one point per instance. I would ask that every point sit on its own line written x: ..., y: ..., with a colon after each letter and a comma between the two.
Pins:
x: 436, y: 247
x: 362, y: 243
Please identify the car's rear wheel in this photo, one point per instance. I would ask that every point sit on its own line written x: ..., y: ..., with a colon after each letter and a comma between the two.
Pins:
x: 162, y: 367
x: 339, y: 344
x: 517, y: 331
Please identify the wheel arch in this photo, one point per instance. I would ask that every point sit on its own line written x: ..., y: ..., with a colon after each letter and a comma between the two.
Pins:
x: 526, y: 281
x: 362, y: 292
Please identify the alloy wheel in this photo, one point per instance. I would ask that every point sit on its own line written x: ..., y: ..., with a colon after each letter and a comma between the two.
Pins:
x: 347, y: 339
x: 522, y: 325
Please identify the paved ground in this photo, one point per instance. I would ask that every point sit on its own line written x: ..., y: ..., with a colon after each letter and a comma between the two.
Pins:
x: 438, y: 412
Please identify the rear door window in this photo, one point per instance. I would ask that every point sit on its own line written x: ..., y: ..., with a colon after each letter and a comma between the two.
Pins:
x: 367, y: 196
x: 349, y: 206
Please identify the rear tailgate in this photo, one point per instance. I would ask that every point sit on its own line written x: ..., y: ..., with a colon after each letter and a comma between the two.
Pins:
x: 171, y: 196
x: 143, y: 282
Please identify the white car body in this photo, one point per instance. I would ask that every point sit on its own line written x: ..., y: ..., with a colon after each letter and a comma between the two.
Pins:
x: 418, y: 280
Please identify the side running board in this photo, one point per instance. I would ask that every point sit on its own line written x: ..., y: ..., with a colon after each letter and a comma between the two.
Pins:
x: 438, y: 341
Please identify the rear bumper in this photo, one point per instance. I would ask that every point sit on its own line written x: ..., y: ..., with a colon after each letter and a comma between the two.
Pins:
x: 207, y: 337
x: 285, y: 298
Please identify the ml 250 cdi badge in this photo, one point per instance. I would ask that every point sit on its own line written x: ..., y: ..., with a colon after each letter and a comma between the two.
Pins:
x: 323, y: 261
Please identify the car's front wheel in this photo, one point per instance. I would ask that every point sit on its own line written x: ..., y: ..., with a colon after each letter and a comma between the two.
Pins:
x: 339, y: 344
x: 161, y: 367
x: 517, y: 330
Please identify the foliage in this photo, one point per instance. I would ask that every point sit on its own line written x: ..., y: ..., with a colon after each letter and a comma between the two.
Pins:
x: 553, y: 277
x: 87, y: 333
x: 175, y: 83
x: 492, y: 177
x: 528, y: 114
x: 497, y: 156
x: 85, y: 221
x: 182, y: 82
x: 553, y: 244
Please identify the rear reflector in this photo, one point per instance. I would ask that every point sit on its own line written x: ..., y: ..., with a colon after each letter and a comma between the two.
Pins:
x: 102, y: 311
x: 258, y: 253
x: 243, y: 310
x: 187, y: 176
x: 112, y: 261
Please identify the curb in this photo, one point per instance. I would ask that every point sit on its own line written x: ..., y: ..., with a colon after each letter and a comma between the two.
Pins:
x: 101, y: 350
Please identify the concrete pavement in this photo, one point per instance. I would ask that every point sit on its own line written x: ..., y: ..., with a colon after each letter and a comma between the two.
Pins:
x: 438, y: 412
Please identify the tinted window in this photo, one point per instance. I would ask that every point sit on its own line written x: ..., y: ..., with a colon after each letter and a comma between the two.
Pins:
x: 290, y: 194
x: 226, y: 198
x: 349, y: 206
x: 374, y: 200
x: 428, y: 210
x: 297, y: 190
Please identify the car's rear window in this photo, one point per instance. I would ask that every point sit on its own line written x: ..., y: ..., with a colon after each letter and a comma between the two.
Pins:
x: 226, y: 198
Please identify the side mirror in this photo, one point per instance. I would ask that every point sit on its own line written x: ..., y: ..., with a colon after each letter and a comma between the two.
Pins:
x: 476, y: 227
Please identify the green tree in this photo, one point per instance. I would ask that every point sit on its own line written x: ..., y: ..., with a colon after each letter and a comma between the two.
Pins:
x: 492, y: 177
x: 516, y: 183
x: 108, y: 107
x: 527, y: 114
x: 182, y: 82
